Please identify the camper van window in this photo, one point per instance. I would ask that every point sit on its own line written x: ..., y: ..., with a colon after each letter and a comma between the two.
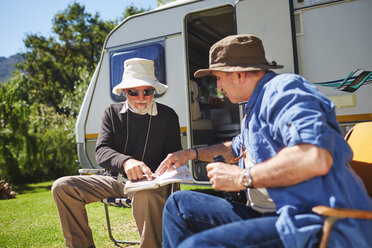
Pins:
x: 153, y: 51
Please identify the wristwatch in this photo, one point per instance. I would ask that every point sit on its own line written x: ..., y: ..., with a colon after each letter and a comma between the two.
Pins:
x: 247, y: 179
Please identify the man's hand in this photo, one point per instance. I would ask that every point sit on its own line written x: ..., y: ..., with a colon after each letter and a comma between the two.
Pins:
x: 175, y: 160
x: 225, y: 177
x: 136, y: 170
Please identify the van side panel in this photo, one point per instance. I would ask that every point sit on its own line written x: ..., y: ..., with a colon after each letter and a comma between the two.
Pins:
x: 176, y: 96
x: 335, y: 41
x: 145, y: 27
x: 100, y: 99
x: 269, y: 20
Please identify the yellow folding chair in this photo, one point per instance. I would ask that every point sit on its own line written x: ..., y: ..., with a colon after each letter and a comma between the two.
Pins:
x: 360, y: 141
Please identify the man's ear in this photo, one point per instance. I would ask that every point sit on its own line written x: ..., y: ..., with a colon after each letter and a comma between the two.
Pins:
x: 241, y: 77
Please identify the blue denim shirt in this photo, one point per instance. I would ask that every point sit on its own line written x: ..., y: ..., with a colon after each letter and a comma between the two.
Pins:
x: 285, y: 110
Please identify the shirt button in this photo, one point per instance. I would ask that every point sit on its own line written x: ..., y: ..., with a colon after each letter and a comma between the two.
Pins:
x: 289, y: 124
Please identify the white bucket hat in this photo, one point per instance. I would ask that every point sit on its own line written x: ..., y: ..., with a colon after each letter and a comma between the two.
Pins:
x: 139, y: 72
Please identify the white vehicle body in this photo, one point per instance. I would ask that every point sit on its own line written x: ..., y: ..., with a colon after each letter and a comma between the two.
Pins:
x: 322, y: 40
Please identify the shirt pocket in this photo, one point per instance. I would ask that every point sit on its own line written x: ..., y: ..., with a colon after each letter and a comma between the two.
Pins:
x: 290, y: 134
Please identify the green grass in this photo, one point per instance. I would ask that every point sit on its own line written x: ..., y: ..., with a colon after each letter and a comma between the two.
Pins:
x: 31, y: 219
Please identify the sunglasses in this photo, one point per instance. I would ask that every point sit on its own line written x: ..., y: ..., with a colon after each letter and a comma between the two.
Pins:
x: 146, y: 92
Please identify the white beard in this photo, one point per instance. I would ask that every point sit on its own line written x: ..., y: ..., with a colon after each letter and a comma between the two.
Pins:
x: 150, y: 109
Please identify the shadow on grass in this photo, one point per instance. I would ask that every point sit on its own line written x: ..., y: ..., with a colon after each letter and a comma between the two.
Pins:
x: 33, y: 188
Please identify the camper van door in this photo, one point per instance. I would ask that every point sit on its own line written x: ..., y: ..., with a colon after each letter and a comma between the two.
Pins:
x: 271, y: 21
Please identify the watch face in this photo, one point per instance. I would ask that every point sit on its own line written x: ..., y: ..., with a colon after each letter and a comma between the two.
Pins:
x: 246, y: 180
x: 247, y: 183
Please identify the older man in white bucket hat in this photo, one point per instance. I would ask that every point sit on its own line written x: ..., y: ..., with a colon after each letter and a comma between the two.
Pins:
x: 135, y: 137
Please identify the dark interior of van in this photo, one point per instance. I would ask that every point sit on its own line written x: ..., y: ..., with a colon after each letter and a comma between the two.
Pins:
x: 214, y: 118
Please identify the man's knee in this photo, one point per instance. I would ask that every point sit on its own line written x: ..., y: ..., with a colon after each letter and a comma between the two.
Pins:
x: 180, y: 196
x: 60, y: 184
x: 170, y: 202
x: 175, y: 198
x: 156, y: 195
x: 142, y: 195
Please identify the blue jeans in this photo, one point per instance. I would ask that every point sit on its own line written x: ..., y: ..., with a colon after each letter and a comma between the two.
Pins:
x: 192, y: 219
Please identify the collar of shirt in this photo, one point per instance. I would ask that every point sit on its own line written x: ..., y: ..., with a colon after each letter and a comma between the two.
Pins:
x: 153, y: 110
x: 257, y: 90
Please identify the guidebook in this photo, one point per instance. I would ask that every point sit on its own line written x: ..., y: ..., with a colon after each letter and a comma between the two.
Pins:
x: 180, y: 175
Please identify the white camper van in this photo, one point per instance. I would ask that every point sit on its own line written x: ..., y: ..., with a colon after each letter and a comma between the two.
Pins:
x: 323, y: 40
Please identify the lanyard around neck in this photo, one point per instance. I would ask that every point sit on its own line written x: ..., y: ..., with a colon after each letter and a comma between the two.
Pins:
x: 147, y: 136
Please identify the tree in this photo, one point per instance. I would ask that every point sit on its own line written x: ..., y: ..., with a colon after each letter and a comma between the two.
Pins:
x: 40, y: 103
x: 132, y: 10
x: 54, y: 64
x: 162, y: 2
x: 36, y: 143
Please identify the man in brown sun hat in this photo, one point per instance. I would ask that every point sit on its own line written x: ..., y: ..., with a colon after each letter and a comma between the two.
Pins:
x: 291, y: 156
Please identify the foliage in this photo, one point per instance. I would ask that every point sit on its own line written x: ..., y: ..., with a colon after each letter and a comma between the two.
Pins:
x: 40, y: 103
x: 162, y: 2
x: 132, y: 10
x: 54, y: 64
x: 36, y: 142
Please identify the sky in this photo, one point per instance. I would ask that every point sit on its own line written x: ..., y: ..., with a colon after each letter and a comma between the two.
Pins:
x: 21, y: 17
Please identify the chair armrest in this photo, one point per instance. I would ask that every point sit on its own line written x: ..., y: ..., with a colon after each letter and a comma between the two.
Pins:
x: 91, y: 171
x: 343, y: 212
x: 331, y: 215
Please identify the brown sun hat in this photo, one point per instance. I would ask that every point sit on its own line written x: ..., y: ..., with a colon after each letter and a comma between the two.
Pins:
x: 234, y: 53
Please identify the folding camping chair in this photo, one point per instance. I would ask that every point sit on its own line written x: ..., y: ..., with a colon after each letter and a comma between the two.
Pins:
x: 124, y: 203
x: 117, y: 202
x: 360, y: 141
